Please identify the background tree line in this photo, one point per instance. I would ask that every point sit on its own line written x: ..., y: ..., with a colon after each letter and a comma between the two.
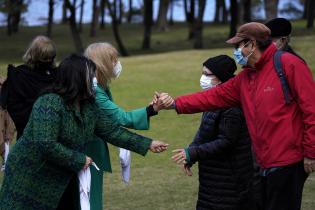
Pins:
x: 232, y: 12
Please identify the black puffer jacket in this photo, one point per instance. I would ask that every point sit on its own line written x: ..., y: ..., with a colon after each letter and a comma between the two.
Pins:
x: 21, y: 89
x: 222, y: 148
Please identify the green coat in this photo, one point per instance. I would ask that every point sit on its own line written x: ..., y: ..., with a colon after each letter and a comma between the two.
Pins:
x: 49, y: 153
x: 98, y: 150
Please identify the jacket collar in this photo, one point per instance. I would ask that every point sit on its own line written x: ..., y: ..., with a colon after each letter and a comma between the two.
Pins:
x: 266, y: 56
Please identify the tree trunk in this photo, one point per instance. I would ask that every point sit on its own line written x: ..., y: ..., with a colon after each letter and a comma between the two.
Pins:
x: 186, y: 11
x: 130, y: 12
x: 199, y: 25
x: 305, y: 11
x: 162, y: 17
x: 247, y: 16
x: 121, y: 12
x: 234, y: 17
x: 217, y: 11
x: 191, y: 19
x: 50, y: 17
x: 103, y: 14
x: 9, y: 28
x: 171, y: 22
x: 81, y: 15
x: 220, y: 12
x: 224, y: 13
x: 94, y: 22
x: 310, y: 14
x: 112, y: 12
x: 64, y: 13
x: 73, y: 27
x: 148, y: 13
x: 240, y: 12
x: 271, y: 9
x: 14, y: 15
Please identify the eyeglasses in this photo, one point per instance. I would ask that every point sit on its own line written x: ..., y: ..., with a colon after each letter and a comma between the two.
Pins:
x: 239, y: 44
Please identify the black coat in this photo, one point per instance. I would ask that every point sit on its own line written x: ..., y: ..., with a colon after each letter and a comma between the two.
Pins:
x: 21, y: 89
x: 223, y: 150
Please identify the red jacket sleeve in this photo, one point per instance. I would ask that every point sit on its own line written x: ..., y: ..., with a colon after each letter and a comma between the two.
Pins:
x: 302, y: 85
x: 223, y: 96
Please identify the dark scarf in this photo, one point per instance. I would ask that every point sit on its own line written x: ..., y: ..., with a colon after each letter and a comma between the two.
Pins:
x: 21, y: 89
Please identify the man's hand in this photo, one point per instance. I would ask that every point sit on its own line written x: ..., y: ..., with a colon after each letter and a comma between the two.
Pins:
x: 309, y: 165
x: 158, y: 146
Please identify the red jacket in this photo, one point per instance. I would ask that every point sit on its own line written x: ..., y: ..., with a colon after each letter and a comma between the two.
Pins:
x: 281, y: 134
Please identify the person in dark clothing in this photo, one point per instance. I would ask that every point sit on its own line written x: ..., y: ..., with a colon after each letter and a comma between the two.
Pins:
x: 221, y: 147
x: 281, y: 30
x: 25, y: 82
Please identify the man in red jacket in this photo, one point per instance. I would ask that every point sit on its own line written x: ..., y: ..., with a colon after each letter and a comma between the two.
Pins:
x: 283, y: 135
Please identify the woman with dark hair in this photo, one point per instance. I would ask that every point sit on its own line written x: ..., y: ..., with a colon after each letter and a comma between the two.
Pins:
x: 26, y: 81
x: 41, y: 171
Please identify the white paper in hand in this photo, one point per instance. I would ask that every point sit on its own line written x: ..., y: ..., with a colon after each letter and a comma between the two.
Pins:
x: 125, y: 159
x: 85, y: 184
x: 6, y: 150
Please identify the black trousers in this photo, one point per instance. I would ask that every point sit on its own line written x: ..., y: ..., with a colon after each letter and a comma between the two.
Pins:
x: 282, y: 189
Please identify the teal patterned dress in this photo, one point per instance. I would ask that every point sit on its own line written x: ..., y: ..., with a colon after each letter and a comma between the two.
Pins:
x: 49, y: 153
x: 98, y: 150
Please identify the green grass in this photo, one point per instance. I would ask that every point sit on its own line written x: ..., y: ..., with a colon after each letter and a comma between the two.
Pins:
x: 156, y: 182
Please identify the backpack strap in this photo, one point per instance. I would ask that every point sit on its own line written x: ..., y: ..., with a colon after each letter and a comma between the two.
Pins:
x: 284, y: 82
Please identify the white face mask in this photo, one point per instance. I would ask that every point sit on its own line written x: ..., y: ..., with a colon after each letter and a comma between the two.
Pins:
x: 117, y: 69
x: 206, y: 82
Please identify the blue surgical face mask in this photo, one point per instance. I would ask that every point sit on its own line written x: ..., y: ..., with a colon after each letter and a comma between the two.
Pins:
x: 239, y: 57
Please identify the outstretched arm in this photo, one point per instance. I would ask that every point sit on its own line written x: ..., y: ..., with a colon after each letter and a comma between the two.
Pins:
x: 111, y: 132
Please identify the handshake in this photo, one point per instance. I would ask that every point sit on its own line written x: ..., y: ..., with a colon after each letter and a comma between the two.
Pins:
x: 161, y: 101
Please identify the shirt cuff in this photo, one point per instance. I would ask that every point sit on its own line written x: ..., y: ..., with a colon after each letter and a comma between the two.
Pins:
x: 150, y: 111
x: 187, y: 155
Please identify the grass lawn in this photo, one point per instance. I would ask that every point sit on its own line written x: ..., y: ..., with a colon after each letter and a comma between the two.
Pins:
x: 156, y: 182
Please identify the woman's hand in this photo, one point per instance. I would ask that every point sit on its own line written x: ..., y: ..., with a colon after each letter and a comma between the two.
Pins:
x: 179, y: 156
x: 88, y: 162
x: 161, y: 101
x: 158, y: 146
x: 155, y: 98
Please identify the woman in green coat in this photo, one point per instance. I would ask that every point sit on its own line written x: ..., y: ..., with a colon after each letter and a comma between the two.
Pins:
x: 49, y: 154
x: 105, y: 56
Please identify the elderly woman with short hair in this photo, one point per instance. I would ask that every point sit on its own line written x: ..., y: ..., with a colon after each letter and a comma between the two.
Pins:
x: 26, y: 81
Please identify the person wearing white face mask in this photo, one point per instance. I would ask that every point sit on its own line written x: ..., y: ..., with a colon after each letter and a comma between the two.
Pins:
x: 221, y: 147
x: 108, y: 67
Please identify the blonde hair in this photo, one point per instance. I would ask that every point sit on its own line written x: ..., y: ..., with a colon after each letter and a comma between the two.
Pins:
x: 103, y: 55
x: 41, y: 49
